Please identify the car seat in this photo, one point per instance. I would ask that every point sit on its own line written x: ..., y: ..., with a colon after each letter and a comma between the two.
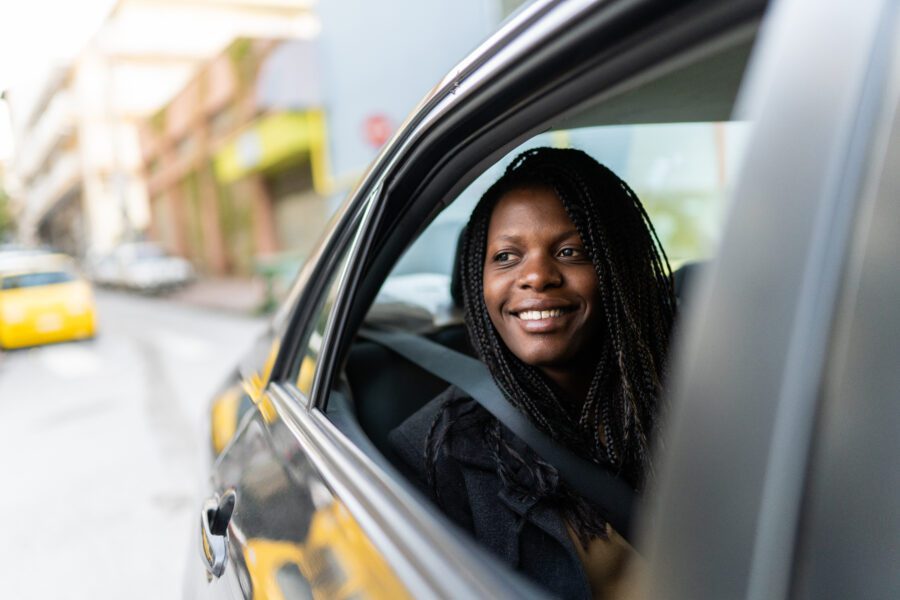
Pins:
x: 385, y: 388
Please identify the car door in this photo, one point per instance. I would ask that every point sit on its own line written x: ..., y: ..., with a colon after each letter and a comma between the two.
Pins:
x: 752, y: 446
x: 267, y: 498
x: 297, y: 504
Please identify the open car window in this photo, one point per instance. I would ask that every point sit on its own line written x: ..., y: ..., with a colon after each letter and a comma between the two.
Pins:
x: 681, y: 172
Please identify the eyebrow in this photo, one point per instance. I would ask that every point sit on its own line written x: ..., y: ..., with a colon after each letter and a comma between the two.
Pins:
x: 506, y: 237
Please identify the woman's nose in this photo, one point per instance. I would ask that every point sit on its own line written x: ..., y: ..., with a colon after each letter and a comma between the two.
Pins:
x: 540, y: 272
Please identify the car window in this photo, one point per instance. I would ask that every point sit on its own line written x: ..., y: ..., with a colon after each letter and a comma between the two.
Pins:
x: 312, y: 346
x: 680, y: 171
x: 27, y: 280
x: 148, y: 252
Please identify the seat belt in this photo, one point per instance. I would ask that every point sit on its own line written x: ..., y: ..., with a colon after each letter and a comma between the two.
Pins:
x: 593, y: 481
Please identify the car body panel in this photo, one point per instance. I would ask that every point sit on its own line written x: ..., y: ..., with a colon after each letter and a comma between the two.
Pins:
x: 850, y: 512
x: 288, y: 530
x: 751, y: 361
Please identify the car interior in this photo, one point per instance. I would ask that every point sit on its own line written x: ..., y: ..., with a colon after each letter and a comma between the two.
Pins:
x: 422, y: 295
x: 669, y: 133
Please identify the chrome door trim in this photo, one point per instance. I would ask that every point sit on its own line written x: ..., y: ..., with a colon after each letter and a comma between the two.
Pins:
x: 425, y: 557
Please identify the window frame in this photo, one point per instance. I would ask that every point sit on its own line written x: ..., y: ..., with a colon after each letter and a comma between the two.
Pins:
x: 339, y: 274
x: 332, y: 269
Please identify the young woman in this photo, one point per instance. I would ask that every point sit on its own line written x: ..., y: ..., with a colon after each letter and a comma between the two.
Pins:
x: 568, y: 300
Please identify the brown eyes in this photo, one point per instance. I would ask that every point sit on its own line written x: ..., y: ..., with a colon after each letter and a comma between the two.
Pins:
x: 572, y: 252
x: 567, y: 252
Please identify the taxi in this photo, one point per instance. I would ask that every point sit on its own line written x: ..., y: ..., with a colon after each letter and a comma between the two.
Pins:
x: 45, y: 301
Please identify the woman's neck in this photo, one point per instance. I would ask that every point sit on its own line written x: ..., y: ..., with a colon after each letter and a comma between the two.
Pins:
x: 573, y: 380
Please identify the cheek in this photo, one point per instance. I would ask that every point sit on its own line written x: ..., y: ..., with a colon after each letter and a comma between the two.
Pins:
x: 495, y: 298
x: 587, y: 285
x: 492, y: 291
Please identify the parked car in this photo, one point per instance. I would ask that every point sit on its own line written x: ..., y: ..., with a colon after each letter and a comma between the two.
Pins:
x: 16, y: 256
x: 778, y: 474
x: 142, y: 267
x: 43, y: 299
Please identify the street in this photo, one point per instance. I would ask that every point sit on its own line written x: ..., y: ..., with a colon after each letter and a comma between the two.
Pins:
x: 102, y: 446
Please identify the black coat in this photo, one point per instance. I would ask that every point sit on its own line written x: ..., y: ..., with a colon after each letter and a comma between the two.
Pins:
x: 473, y: 496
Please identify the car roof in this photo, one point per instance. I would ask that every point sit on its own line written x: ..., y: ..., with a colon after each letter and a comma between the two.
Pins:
x: 33, y: 263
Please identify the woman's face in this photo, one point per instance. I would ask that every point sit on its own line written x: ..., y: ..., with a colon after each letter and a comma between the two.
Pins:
x: 540, y: 287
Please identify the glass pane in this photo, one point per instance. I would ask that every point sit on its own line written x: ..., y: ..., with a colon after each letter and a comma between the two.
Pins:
x: 314, y: 340
x: 26, y: 280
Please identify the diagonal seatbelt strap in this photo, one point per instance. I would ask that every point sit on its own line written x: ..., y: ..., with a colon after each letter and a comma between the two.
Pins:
x: 595, y: 482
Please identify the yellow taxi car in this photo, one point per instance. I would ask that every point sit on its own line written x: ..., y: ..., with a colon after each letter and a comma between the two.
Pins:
x: 45, y: 301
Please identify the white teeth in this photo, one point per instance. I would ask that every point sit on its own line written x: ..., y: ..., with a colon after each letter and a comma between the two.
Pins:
x: 536, y: 315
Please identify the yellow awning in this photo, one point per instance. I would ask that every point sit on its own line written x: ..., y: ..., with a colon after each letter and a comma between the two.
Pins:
x: 272, y: 141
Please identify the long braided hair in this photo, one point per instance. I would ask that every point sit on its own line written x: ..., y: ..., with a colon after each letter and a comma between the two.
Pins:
x: 615, y: 423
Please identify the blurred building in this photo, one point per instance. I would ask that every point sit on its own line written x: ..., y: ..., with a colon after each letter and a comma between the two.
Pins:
x: 48, y: 167
x: 246, y: 164
x: 78, y: 155
x: 236, y: 165
x: 229, y: 130
x: 8, y: 181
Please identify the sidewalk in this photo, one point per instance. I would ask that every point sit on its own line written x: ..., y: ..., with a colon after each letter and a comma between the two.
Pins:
x: 234, y: 294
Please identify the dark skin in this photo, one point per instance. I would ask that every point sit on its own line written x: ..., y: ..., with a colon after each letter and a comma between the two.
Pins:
x: 541, y: 289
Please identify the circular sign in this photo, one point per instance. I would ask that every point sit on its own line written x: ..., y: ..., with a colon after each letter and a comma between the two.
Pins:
x: 377, y: 129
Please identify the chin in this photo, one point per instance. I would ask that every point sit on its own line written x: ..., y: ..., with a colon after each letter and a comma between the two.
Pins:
x: 542, y: 359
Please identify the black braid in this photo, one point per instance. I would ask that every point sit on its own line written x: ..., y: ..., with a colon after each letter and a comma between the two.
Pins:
x: 617, y: 422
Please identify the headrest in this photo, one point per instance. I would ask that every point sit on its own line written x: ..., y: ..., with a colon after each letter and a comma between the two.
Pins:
x: 684, y: 277
x: 456, y: 292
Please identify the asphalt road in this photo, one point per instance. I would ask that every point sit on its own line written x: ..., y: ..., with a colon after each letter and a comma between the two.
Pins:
x: 101, y: 450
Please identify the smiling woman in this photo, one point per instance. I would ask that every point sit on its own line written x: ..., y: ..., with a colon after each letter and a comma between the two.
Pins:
x: 568, y: 300
x: 540, y: 287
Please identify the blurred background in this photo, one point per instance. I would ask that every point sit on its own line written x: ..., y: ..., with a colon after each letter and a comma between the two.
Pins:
x: 225, y: 131
x: 166, y: 166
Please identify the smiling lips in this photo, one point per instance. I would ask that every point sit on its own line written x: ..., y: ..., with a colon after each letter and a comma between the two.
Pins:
x: 541, y: 321
x: 537, y: 315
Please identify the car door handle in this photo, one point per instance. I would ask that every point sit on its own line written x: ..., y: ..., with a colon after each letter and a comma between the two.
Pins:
x: 214, y: 518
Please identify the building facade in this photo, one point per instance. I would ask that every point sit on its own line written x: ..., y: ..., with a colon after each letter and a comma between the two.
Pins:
x: 235, y: 162
x: 78, y: 154
x: 248, y: 162
x: 229, y: 131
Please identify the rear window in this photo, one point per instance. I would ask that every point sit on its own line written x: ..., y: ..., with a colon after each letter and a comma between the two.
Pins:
x: 27, y: 280
x: 148, y: 252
